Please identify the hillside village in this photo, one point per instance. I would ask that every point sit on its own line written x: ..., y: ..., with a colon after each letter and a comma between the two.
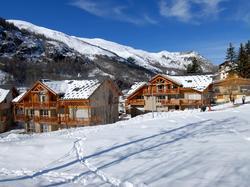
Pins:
x: 51, y: 105
x: 172, y: 81
x: 128, y: 93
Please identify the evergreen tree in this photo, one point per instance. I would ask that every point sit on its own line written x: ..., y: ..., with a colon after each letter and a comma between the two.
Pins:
x: 194, y: 67
x: 247, y: 47
x: 231, y: 54
x: 247, y: 68
x: 243, y: 62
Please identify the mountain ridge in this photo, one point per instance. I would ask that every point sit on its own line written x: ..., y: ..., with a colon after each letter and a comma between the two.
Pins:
x: 45, y: 49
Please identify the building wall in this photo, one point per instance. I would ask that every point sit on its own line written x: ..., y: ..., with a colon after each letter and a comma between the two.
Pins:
x: 227, y: 90
x: 150, y: 103
x: 104, y: 102
x: 6, y: 113
x: 192, y: 96
x: 69, y: 113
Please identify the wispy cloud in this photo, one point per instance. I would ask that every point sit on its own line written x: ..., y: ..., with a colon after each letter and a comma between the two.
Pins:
x: 113, y: 10
x: 242, y: 12
x: 180, y: 9
x: 190, y: 10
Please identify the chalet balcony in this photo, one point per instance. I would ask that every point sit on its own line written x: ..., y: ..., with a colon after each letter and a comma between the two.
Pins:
x: 38, y: 104
x: 46, y: 119
x: 38, y: 119
x: 21, y: 118
x: 191, y: 102
x: 181, y: 102
x: 78, y: 121
x: 170, y: 102
x: 137, y: 102
x: 56, y: 120
x: 161, y: 92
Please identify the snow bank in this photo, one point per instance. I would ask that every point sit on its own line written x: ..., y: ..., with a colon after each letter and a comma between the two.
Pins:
x: 183, y: 148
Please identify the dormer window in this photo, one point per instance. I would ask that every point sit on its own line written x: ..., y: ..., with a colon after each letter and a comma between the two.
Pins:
x: 160, y: 87
x: 42, y: 98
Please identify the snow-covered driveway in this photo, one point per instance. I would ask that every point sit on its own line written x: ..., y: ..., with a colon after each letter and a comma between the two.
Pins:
x: 174, y: 149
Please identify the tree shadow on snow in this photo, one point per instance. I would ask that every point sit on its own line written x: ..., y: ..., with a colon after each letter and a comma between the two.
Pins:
x: 180, y: 136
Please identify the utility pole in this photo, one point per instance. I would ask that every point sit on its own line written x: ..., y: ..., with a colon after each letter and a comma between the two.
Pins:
x: 152, y: 102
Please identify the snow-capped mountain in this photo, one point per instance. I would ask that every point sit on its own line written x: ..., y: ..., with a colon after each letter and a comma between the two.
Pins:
x: 87, y: 57
x: 175, y: 60
x: 94, y: 47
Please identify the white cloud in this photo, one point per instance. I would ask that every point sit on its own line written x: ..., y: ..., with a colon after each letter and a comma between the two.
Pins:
x: 179, y: 9
x: 90, y: 7
x: 113, y: 10
x: 190, y: 10
x: 242, y: 13
x: 246, y: 18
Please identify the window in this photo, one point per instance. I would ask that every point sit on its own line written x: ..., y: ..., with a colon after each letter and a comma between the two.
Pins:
x: 174, y: 96
x: 30, y: 127
x: 53, y: 113
x: 82, y: 113
x: 72, y: 112
x: 174, y: 87
x: 44, y: 128
x: 42, y: 97
x: 160, y: 87
x: 140, y: 97
x: 44, y: 113
x: 30, y: 112
x: 161, y: 97
x: 20, y: 111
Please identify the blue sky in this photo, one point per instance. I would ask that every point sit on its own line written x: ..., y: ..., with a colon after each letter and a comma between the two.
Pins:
x: 206, y: 26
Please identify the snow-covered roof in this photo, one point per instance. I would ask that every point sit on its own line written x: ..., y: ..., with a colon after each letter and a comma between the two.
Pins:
x: 17, y: 99
x: 73, y: 89
x: 3, y: 94
x: 197, y: 82
x: 135, y: 87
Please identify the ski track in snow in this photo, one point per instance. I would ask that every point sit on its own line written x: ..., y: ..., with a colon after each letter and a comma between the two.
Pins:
x: 78, y: 166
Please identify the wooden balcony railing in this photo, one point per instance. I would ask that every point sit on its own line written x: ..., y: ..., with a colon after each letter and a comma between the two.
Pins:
x: 39, y: 119
x: 77, y: 121
x: 45, y: 119
x: 170, y: 102
x: 38, y: 105
x: 20, y: 117
x: 190, y: 102
x: 155, y: 92
x: 181, y: 102
x: 57, y: 120
x: 43, y: 104
x: 138, y: 102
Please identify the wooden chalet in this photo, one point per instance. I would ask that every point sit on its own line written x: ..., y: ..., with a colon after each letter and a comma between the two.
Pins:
x: 51, y: 105
x: 6, y: 117
x: 231, y: 88
x: 164, y: 93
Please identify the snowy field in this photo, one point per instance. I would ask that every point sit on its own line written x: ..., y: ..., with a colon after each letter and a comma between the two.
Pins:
x: 177, y: 149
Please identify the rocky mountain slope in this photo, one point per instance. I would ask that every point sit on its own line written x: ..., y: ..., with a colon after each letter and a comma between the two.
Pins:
x: 29, y: 52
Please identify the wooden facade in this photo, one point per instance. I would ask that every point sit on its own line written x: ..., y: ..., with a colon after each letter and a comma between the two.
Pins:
x: 163, y: 94
x: 41, y: 109
x: 229, y: 89
x: 6, y: 117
